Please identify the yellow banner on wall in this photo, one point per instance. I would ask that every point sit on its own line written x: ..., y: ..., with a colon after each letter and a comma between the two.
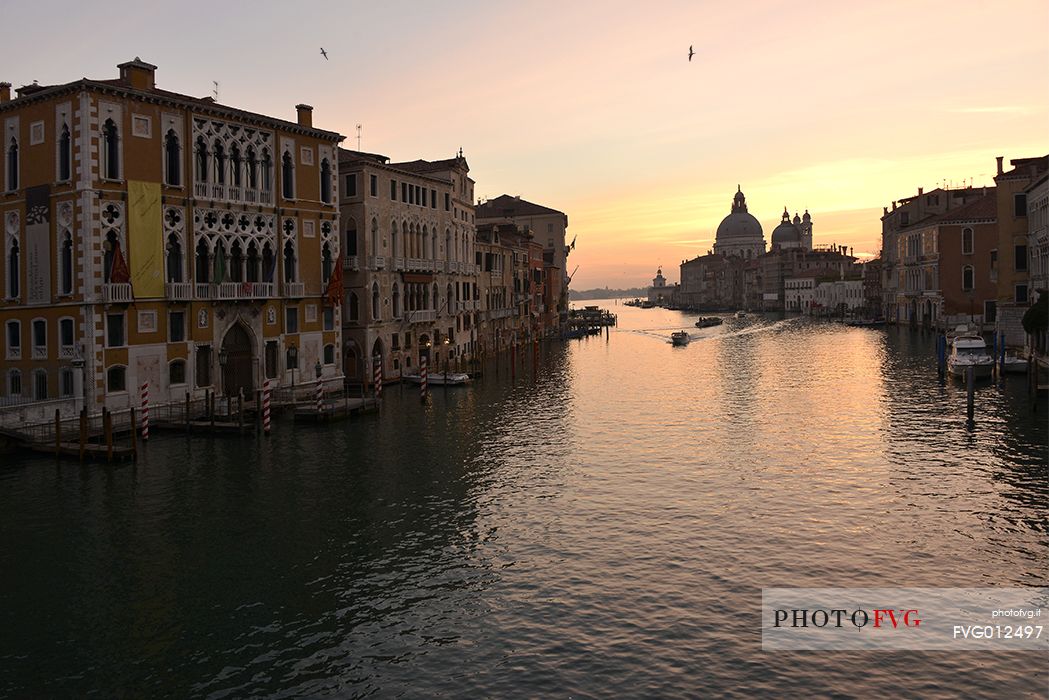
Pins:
x: 145, y: 239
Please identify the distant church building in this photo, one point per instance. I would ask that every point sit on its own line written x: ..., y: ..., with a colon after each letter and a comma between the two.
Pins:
x: 660, y: 293
x: 739, y: 233
x: 796, y: 234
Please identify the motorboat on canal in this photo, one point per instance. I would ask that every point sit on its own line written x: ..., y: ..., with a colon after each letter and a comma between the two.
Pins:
x: 708, y: 321
x: 439, y: 378
x: 969, y: 351
x: 741, y: 314
x: 679, y: 338
x: 1015, y: 365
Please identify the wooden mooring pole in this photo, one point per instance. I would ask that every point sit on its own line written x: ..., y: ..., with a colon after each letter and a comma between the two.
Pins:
x: 970, y: 391
x: 107, y: 431
x: 83, y: 432
x: 134, y: 437
x: 58, y: 434
x: 187, y: 413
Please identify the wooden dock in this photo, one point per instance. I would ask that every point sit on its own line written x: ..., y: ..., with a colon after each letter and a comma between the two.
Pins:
x: 92, y: 452
x: 337, y: 410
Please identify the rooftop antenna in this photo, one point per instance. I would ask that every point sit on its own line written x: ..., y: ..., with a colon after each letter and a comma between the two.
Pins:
x: 215, y: 91
x: 358, y: 137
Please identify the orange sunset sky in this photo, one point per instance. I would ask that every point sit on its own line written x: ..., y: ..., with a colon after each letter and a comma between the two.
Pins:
x: 594, y: 109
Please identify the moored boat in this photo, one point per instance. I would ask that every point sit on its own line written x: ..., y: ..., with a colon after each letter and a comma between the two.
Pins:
x: 679, y: 338
x: 741, y: 314
x: 439, y: 378
x: 969, y: 351
x: 1015, y: 365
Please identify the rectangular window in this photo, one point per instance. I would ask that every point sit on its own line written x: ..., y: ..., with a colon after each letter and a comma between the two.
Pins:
x: 990, y: 311
x: 177, y: 326
x: 204, y: 365
x: 66, y: 382
x: 351, y: 185
x: 407, y: 341
x: 393, y: 190
x: 420, y: 195
x: 404, y: 191
x: 271, y: 359
x: 1020, y: 204
x: 14, y: 383
x: 115, y: 330
x: 65, y: 335
x: 447, y: 201
x: 39, y: 338
x: 395, y: 341
x: 433, y: 199
x: 291, y: 319
x: 177, y: 373
x: 374, y: 185
x: 14, y: 339
x: 1021, y: 294
x: 329, y: 318
x: 1021, y: 257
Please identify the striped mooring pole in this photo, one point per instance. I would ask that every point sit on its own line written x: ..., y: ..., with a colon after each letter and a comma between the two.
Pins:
x: 423, y: 385
x: 320, y: 395
x: 266, y: 407
x: 378, y: 377
x: 145, y: 410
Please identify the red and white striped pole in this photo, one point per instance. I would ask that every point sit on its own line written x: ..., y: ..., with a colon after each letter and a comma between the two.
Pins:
x: 266, y: 407
x: 423, y: 385
x: 320, y: 395
x: 378, y: 377
x: 145, y: 410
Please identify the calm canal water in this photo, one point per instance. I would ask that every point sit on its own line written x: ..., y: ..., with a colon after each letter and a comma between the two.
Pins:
x: 603, y: 529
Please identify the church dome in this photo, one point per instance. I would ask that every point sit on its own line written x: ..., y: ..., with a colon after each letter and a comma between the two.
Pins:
x: 739, y: 223
x: 786, y: 232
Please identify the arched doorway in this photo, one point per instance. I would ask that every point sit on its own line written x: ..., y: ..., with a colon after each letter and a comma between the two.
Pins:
x: 351, y: 361
x: 237, y: 361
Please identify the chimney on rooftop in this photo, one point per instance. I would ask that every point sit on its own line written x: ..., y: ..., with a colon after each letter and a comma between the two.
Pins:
x: 5, y: 92
x: 921, y: 191
x: 139, y: 74
x: 1000, y: 159
x: 305, y: 114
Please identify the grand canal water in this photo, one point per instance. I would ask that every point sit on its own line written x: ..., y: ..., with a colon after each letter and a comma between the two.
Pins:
x: 600, y: 528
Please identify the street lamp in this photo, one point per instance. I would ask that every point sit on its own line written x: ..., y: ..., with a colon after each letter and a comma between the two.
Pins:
x: 447, y: 342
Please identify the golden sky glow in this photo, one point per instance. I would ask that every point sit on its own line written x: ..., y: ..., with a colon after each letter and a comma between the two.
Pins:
x: 594, y: 109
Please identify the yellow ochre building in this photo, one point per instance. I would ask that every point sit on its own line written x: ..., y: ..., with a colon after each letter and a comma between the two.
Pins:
x: 153, y: 236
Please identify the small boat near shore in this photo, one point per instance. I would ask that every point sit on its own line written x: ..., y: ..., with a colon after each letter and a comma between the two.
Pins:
x: 865, y: 323
x: 439, y: 378
x: 1015, y: 365
x: 679, y: 338
x: 741, y: 314
x: 969, y: 351
x: 709, y: 321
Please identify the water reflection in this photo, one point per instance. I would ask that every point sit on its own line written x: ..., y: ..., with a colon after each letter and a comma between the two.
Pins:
x: 600, y: 525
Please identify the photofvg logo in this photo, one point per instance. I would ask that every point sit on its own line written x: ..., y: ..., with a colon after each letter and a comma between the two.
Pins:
x: 991, y: 619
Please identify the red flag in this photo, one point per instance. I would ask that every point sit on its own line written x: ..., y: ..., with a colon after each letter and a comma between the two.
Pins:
x: 118, y: 273
x: 334, y: 291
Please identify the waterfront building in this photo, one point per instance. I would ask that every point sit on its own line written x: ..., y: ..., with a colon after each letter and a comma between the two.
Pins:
x: 739, y: 233
x: 503, y: 286
x: 549, y: 228
x: 834, y: 297
x: 713, y: 282
x: 410, y: 276
x: 798, y: 294
x: 1038, y: 250
x: 1013, y: 293
x: 151, y: 236
x: 872, y: 291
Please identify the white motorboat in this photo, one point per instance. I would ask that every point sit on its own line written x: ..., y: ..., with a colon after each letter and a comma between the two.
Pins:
x: 969, y: 351
x: 741, y: 314
x: 680, y: 338
x: 1015, y: 365
x: 439, y: 378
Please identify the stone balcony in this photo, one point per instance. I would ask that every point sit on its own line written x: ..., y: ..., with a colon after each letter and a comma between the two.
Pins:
x: 116, y: 293
x: 179, y: 291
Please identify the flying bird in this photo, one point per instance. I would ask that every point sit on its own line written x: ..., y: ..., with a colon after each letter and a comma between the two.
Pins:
x: 690, y: 53
x: 325, y: 54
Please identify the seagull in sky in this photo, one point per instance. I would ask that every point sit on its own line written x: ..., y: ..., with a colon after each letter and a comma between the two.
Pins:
x: 325, y: 54
x: 690, y: 53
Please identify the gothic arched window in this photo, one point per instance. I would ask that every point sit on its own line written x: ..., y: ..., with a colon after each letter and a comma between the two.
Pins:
x: 287, y: 174
x: 234, y: 165
x: 65, y: 155
x: 13, y: 271
x: 110, y: 150
x: 376, y: 308
x: 12, y: 166
x: 203, y: 275
x: 267, y: 171
x: 172, y: 159
x: 289, y: 262
x: 253, y: 166
x: 202, y: 160
x: 66, y: 264
x: 326, y: 181
x: 326, y: 263
x: 220, y: 163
